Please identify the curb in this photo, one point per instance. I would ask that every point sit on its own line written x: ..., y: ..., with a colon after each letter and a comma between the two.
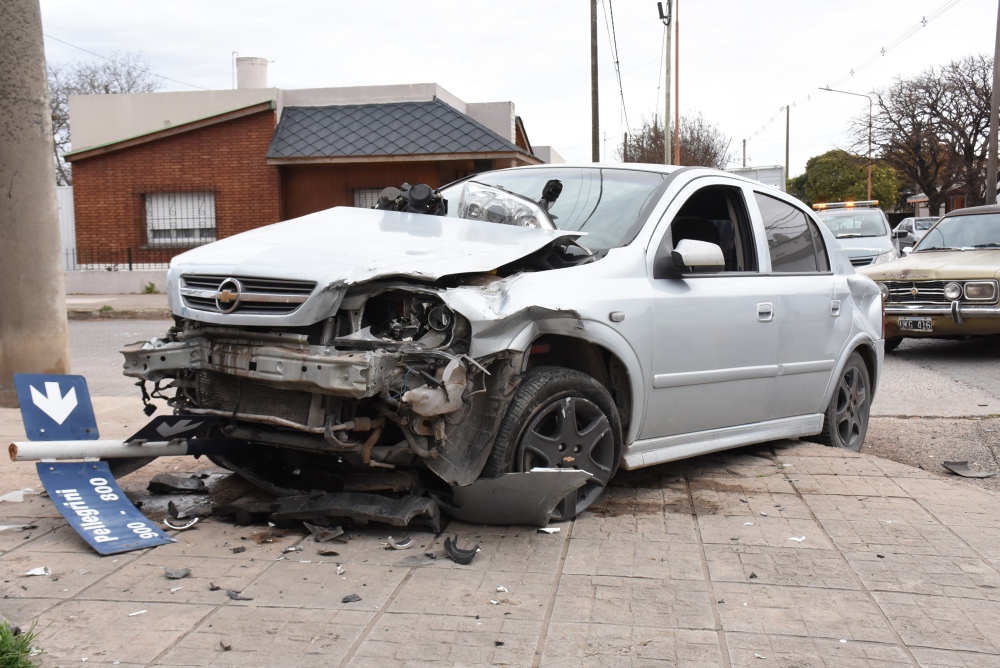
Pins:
x: 120, y: 314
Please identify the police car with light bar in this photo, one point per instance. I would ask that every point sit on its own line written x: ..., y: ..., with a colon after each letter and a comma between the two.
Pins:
x: 861, y: 229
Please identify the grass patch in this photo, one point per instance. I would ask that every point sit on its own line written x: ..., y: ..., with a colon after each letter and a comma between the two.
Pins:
x: 106, y: 308
x: 150, y: 289
x: 16, y: 650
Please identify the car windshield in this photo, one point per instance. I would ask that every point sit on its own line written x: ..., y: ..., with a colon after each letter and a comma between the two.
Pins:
x: 923, y: 223
x: 604, y: 203
x: 963, y: 233
x: 854, y: 224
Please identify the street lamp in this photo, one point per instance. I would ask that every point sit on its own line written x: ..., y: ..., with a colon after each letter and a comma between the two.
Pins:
x: 833, y: 90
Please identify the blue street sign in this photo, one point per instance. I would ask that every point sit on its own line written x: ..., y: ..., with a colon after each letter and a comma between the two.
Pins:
x: 89, y: 498
x: 170, y: 427
x: 55, y: 407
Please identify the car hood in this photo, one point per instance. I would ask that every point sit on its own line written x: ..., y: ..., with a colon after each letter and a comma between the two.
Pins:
x: 938, y: 265
x: 865, y: 246
x: 349, y: 245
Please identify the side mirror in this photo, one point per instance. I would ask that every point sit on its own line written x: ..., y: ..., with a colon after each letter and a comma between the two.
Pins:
x: 899, y: 234
x: 690, y: 257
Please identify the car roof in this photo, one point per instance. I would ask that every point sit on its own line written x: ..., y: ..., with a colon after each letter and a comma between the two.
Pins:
x: 974, y: 210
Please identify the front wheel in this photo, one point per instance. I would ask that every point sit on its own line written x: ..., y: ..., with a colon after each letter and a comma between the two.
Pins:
x: 560, y: 418
x: 846, y: 420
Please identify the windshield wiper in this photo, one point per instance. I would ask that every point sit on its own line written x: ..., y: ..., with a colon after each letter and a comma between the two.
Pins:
x: 989, y: 245
x: 936, y: 248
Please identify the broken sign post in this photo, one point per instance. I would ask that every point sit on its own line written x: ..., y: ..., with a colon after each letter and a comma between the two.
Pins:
x: 89, y: 498
x: 48, y: 401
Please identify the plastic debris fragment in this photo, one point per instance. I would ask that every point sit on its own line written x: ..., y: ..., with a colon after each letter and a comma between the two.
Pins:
x: 457, y: 554
x: 41, y: 570
x: 797, y: 539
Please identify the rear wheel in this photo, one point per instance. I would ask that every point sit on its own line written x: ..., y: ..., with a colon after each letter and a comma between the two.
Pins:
x: 846, y: 420
x: 560, y: 418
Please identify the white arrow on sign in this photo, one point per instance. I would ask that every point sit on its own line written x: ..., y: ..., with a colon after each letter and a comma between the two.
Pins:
x: 53, y: 403
x: 178, y: 427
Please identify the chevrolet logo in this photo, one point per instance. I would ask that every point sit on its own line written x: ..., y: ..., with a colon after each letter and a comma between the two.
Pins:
x: 228, y: 296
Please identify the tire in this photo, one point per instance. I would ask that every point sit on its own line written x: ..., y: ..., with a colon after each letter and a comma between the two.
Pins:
x: 846, y: 421
x: 892, y: 343
x: 560, y: 418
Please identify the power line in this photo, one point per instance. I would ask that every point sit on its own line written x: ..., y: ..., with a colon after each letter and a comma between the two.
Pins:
x: 613, y: 43
x: 907, y: 34
x: 659, y: 75
x: 116, y: 62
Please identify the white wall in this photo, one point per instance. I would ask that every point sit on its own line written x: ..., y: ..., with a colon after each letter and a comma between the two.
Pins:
x: 67, y: 221
x: 99, y: 282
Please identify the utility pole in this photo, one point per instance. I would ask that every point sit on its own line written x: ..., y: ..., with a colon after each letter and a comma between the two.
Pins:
x: 744, y: 153
x: 788, y: 125
x: 991, y: 164
x: 665, y: 17
x: 677, y: 84
x: 33, y: 328
x: 595, y: 134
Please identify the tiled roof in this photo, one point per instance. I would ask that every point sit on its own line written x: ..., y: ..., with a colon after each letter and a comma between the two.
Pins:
x: 406, y: 128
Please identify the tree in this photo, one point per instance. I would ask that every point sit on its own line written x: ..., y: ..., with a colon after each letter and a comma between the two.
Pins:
x: 839, y: 176
x: 933, y: 128
x: 701, y: 143
x: 123, y: 72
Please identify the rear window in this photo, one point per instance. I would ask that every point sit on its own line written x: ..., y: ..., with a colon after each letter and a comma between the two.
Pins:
x: 851, y: 224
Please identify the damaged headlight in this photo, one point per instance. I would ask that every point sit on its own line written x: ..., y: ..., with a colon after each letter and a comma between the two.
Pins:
x: 493, y: 205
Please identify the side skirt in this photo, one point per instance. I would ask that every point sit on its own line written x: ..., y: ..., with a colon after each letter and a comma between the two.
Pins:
x: 671, y: 448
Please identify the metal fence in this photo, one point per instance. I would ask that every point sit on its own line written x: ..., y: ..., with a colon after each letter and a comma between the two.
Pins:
x: 122, y: 259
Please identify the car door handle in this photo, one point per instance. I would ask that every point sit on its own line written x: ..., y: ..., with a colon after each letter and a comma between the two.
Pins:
x: 835, y: 308
x: 765, y: 312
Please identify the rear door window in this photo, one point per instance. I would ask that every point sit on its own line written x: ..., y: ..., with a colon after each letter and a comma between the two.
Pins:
x: 794, y: 242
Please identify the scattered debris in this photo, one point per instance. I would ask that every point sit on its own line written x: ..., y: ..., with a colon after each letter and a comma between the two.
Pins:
x: 292, y: 548
x: 403, y: 544
x: 340, y: 570
x: 323, y: 534
x: 498, y: 643
x: 177, y: 573
x: 243, y: 514
x: 239, y: 549
x: 502, y: 589
x: 548, y: 530
x: 237, y: 595
x: 213, y: 587
x: 174, y: 512
x: 350, y: 598
x: 137, y: 613
x: 41, y: 570
x: 753, y: 576
x: 174, y: 483
x: 797, y: 540
x: 181, y: 527
x: 328, y: 553
x: 174, y: 590
x: 748, y: 524
x: 759, y: 656
x: 457, y: 554
x: 225, y: 646
x: 962, y: 469
x: 17, y: 496
x: 880, y: 556
x: 494, y: 601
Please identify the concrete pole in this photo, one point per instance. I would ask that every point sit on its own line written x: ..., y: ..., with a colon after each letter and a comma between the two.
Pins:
x: 991, y: 162
x: 788, y: 125
x: 33, y: 328
x: 595, y: 135
x: 666, y: 85
x: 677, y: 84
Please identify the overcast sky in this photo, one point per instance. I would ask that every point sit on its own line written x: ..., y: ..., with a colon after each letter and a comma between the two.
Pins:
x: 741, y: 61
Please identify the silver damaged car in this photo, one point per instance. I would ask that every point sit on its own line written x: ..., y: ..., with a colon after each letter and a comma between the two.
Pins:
x: 520, y: 335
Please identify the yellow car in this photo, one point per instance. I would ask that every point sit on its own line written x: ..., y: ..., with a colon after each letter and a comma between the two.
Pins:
x: 947, y: 285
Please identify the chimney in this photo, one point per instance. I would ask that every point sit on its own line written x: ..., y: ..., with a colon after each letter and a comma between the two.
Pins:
x: 251, y: 72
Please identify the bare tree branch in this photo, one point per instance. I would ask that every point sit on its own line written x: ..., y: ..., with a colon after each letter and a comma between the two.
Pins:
x: 701, y: 143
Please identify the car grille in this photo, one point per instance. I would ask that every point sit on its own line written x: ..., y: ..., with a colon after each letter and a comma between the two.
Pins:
x: 223, y: 392
x: 927, y: 292
x: 259, y: 296
x: 862, y: 261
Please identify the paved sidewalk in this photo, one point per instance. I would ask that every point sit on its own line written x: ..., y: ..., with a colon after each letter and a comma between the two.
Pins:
x: 122, y: 307
x: 688, y: 564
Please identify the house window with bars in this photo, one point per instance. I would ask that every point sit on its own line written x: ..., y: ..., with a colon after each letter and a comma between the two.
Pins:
x: 366, y: 198
x: 180, y: 219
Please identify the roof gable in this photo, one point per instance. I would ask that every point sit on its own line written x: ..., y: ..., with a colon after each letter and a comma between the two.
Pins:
x: 389, y: 129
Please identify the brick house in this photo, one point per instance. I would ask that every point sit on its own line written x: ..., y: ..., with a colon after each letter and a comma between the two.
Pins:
x: 167, y: 181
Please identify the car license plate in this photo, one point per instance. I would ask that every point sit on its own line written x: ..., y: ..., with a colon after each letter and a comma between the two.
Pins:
x: 916, y: 324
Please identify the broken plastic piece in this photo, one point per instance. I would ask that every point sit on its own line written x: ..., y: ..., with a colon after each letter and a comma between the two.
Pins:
x: 137, y: 613
x: 350, y: 598
x: 177, y: 573
x: 501, y: 588
x: 292, y: 548
x: 515, y: 498
x: 962, y: 469
x: 41, y: 570
x: 17, y: 496
x: 225, y: 646
x: 404, y: 544
x: 340, y: 570
x: 238, y: 550
x: 548, y: 530
x: 237, y: 595
x: 797, y: 540
x: 173, y: 483
x: 457, y: 554
x: 181, y: 527
x: 323, y: 534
